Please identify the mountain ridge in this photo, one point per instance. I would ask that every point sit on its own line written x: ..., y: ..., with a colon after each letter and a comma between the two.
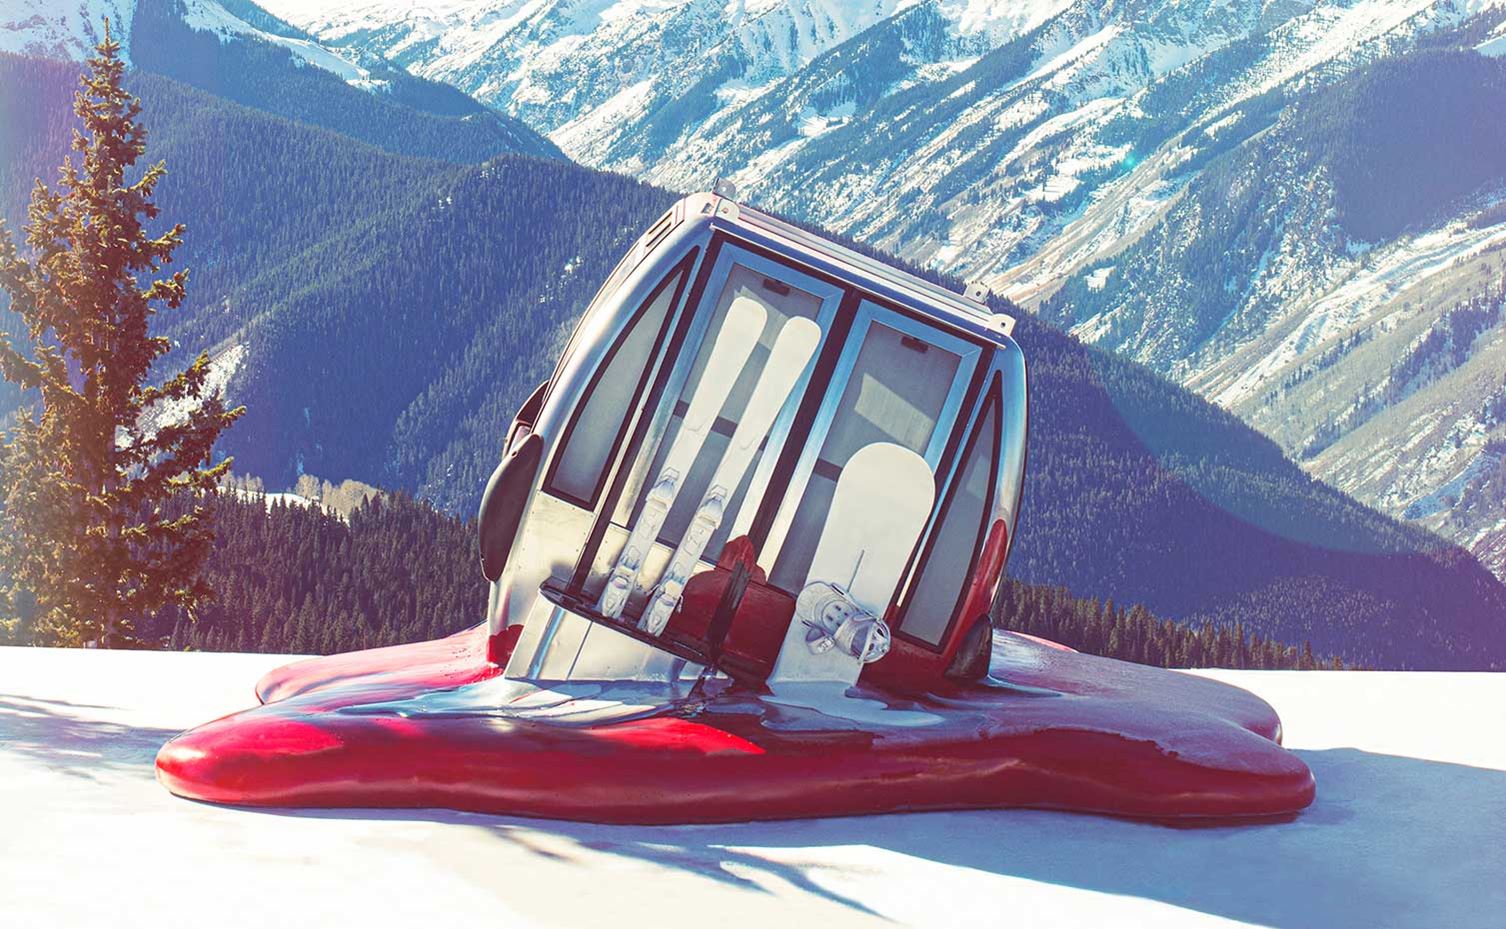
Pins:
x: 1032, y: 145
x: 363, y: 354
x: 240, y: 51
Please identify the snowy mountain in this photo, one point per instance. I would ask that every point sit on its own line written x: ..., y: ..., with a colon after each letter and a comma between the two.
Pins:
x: 1031, y: 144
x: 964, y: 133
x: 1337, y: 280
x: 1080, y: 155
x: 615, y: 83
x: 387, y: 331
x: 598, y: 77
x: 48, y: 29
x: 238, y: 50
x: 55, y: 30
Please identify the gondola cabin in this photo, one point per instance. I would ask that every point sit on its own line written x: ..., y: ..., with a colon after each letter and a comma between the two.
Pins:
x: 742, y: 547
x: 762, y: 457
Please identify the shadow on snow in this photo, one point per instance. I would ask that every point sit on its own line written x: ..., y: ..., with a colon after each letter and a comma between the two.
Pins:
x: 49, y: 732
x: 1390, y: 841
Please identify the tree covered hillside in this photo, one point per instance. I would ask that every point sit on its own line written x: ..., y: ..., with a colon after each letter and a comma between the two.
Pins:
x: 299, y: 578
x: 252, y: 189
x: 1408, y: 136
x: 1098, y: 627
x: 1325, y: 272
x: 383, y: 322
x: 1143, y: 492
x: 1292, y: 180
x: 397, y: 570
x: 407, y: 115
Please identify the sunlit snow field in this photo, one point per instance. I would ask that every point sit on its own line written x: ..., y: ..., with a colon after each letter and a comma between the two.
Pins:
x: 1407, y: 831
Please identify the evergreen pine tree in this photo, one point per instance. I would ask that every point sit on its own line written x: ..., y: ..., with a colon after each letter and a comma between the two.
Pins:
x: 89, y: 468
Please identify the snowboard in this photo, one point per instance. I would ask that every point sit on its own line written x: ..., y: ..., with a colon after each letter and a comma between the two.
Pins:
x: 882, y: 500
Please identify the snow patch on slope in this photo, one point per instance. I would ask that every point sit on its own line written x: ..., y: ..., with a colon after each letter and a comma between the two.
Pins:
x: 222, y: 368
x: 66, y: 29
x: 1365, y: 285
x: 70, y: 29
x: 1493, y: 48
x: 208, y: 16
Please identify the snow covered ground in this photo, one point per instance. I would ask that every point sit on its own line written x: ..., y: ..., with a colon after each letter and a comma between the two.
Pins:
x: 1407, y: 831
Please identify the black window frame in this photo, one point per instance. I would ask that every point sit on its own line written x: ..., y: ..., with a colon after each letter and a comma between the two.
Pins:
x: 853, y: 294
x: 679, y: 276
x: 992, y: 401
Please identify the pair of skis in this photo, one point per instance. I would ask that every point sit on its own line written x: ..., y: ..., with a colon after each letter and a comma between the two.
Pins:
x: 792, y: 351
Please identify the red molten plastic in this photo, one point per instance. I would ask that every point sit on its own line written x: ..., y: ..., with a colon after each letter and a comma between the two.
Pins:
x: 1071, y: 731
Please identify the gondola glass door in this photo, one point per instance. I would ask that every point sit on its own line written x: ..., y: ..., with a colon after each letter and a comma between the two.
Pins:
x: 898, y: 381
x: 724, y: 392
